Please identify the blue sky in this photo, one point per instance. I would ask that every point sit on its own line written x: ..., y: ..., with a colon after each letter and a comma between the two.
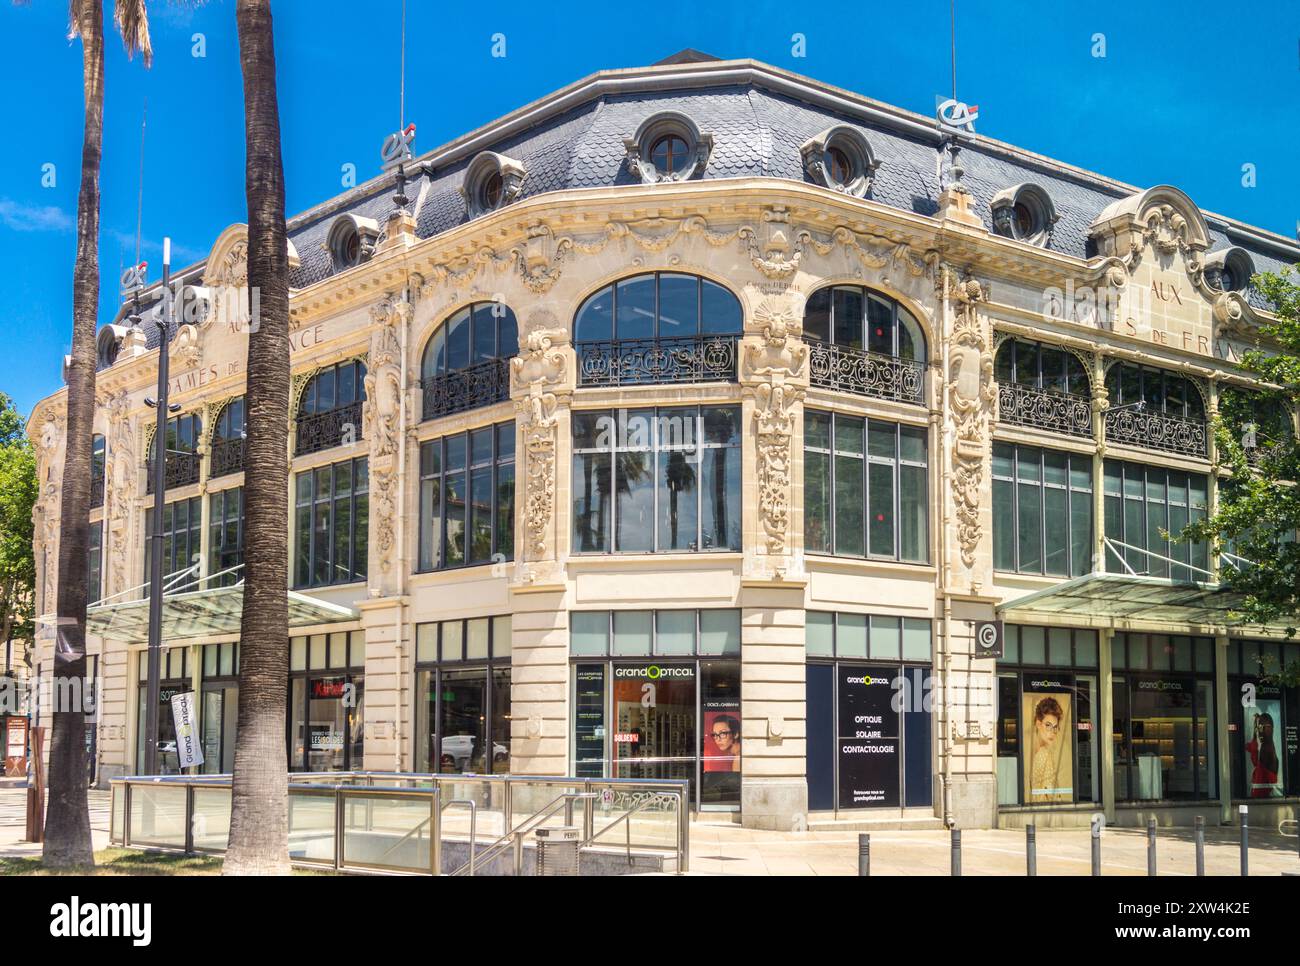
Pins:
x: 1185, y: 95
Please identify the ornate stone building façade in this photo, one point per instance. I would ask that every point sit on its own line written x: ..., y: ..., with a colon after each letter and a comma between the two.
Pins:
x: 688, y: 423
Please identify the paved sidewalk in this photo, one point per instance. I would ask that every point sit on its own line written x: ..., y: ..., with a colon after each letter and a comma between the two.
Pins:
x: 13, y: 822
x: 731, y: 850
x: 726, y: 849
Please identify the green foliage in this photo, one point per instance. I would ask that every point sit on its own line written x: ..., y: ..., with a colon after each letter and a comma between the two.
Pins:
x: 18, y: 491
x: 1258, y: 514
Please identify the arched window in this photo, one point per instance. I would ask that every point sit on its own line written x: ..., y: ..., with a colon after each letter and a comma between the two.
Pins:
x: 1154, y: 409
x: 661, y: 327
x: 182, y: 464
x: 865, y: 343
x: 1043, y: 386
x: 329, y: 413
x: 466, y: 363
x: 228, y: 440
x: 97, y: 467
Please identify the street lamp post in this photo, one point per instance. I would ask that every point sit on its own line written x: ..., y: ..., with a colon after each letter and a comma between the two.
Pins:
x: 159, y: 470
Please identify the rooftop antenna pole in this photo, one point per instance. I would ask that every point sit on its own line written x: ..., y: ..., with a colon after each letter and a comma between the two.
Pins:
x: 401, y: 84
x: 952, y: 8
x: 139, y: 208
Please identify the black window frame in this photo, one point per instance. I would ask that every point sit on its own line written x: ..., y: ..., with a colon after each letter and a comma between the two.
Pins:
x: 434, y: 466
x: 609, y: 499
x: 1193, y: 554
x: 226, y: 454
x: 1019, y: 452
x: 481, y: 381
x: 220, y: 515
x: 833, y: 455
x: 358, y: 542
x: 184, y: 433
x: 188, y: 539
x: 318, y: 429
x: 352, y: 670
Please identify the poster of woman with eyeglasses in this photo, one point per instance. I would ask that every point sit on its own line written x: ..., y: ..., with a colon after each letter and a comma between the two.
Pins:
x: 1049, y: 765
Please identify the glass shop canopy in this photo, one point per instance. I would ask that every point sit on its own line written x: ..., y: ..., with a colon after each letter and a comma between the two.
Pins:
x: 201, y: 613
x: 1128, y: 602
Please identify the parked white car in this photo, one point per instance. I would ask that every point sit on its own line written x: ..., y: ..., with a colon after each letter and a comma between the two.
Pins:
x: 461, y: 750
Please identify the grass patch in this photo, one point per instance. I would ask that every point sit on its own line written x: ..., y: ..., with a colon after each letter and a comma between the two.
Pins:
x: 122, y: 862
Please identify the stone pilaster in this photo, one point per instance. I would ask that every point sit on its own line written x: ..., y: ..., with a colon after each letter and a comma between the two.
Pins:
x: 539, y: 707
x: 774, y: 788
x: 388, y: 739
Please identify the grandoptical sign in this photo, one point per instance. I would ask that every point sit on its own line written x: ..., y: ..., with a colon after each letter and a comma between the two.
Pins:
x: 187, y: 733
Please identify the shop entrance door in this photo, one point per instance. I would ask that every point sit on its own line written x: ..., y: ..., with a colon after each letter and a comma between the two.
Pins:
x: 468, y: 699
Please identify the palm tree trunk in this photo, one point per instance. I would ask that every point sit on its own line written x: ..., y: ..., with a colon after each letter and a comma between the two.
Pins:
x: 259, y: 822
x: 67, y: 823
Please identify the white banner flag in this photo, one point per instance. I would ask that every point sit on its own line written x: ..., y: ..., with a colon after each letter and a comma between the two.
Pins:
x: 187, y: 733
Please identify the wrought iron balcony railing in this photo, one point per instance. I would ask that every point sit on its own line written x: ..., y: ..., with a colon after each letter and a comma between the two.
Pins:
x: 1057, y: 412
x: 181, y: 469
x: 863, y: 373
x: 642, y: 362
x: 481, y: 384
x: 1148, y: 430
x: 227, y: 457
x: 320, y: 431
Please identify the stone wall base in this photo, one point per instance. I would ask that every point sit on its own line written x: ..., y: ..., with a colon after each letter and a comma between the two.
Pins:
x: 973, y: 800
x: 775, y: 804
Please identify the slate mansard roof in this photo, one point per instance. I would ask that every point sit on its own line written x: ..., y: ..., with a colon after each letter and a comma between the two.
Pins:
x: 758, y: 117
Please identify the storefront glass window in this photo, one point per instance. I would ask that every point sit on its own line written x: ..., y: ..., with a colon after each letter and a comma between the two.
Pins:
x: 182, y: 528
x: 869, y: 727
x: 1164, y: 727
x: 327, y: 702
x: 638, y: 717
x: 1263, y: 720
x: 226, y: 536
x: 1047, y: 684
x: 463, y: 688
x: 220, y: 707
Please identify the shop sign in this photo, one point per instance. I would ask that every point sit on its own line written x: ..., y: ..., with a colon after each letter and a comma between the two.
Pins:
x: 655, y: 672
x: 328, y: 688
x: 868, y: 743
x: 988, y: 639
x: 16, y: 739
x: 188, y: 751
x: 325, y: 738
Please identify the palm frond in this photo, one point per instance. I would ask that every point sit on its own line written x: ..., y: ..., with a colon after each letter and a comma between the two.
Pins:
x: 132, y: 21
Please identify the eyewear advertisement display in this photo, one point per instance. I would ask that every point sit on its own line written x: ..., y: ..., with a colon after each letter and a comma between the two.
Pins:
x: 1047, y: 713
x: 868, y: 737
x: 1261, y: 736
x: 654, y: 721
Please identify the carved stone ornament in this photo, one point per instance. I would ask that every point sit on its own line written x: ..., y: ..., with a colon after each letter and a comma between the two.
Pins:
x: 185, y: 351
x: 775, y: 366
x: 775, y: 248
x: 121, y: 487
x: 381, y: 420
x: 972, y: 394
x: 538, y: 373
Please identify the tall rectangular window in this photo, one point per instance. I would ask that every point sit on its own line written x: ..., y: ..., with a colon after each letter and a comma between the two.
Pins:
x: 95, y: 562
x: 657, y: 480
x: 226, y: 535
x: 865, y: 487
x: 1142, y: 504
x: 182, y: 531
x: 332, y: 508
x: 1042, y: 511
x: 467, y: 498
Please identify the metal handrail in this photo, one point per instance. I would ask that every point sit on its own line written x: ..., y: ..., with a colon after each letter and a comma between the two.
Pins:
x: 626, y: 817
x: 428, y: 786
x: 473, y: 832
x: 516, y: 835
x: 1112, y: 544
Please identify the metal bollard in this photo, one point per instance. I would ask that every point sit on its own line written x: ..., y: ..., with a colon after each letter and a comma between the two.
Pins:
x: 864, y: 853
x: 1031, y: 850
x: 1200, y: 844
x: 956, y: 851
x: 1244, y: 810
x: 1151, y: 846
x: 1096, y: 845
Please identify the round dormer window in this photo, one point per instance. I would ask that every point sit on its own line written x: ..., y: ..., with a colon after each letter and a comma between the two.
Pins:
x: 669, y: 154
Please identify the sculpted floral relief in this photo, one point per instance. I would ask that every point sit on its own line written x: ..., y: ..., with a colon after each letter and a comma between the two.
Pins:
x: 538, y: 371
x: 972, y: 394
x: 381, y: 421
